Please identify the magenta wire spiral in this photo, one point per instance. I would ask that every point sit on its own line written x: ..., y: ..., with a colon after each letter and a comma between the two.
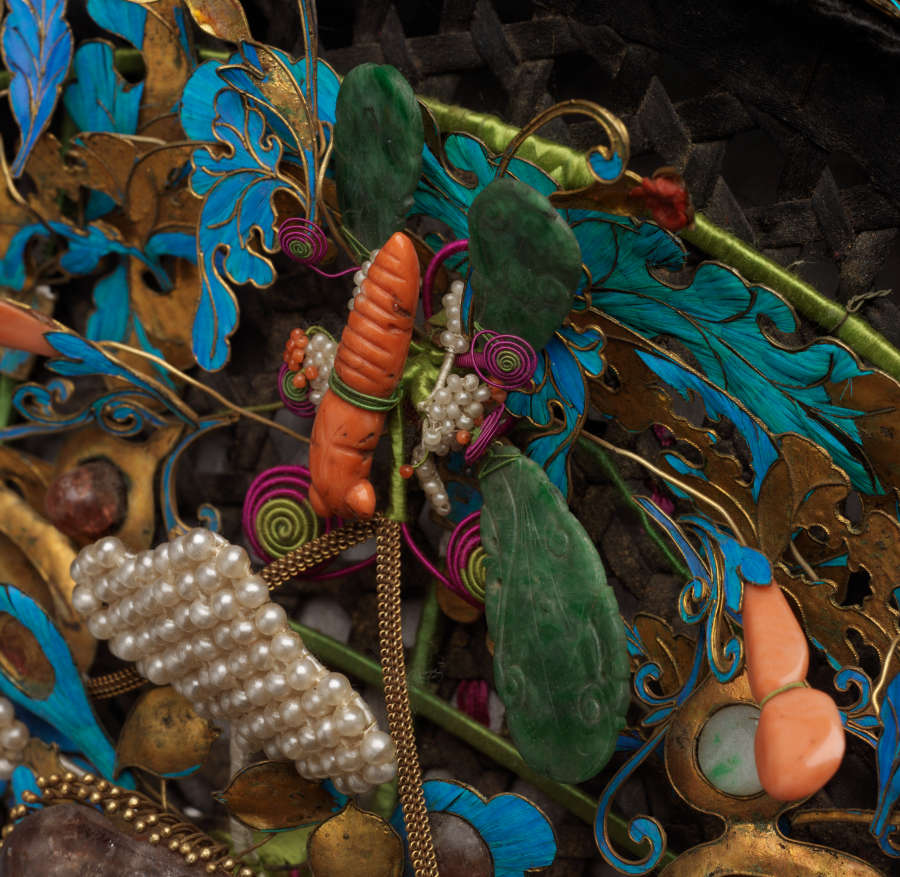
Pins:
x: 505, y: 361
x: 465, y: 560
x: 295, y: 400
x: 303, y: 241
x: 495, y: 424
x: 431, y: 271
x: 277, y: 516
x: 306, y: 243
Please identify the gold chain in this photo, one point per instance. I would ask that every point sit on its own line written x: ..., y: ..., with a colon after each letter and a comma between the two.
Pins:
x: 396, y: 698
x: 114, y: 684
x: 313, y: 553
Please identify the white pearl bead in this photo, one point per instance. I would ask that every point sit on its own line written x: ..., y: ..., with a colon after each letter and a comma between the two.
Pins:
x: 272, y: 713
x: 483, y: 393
x: 218, y: 673
x: 222, y: 637
x: 326, y: 734
x: 207, y: 577
x: 378, y: 773
x: 348, y: 759
x: 102, y: 590
x: 99, y: 626
x: 475, y: 409
x: 350, y: 721
x: 186, y: 585
x: 84, y: 601
x: 377, y: 747
x: 181, y: 615
x: 276, y: 684
x: 314, y: 704
x: 201, y: 614
x: 224, y: 605
x: 198, y: 544
x: 238, y: 665
x: 270, y: 619
x: 273, y: 750
x: 302, y: 673
x: 204, y: 647
x: 7, y: 766
x: 161, y: 558
x: 168, y: 631
x: 257, y: 693
x: 290, y: 746
x: 144, y: 571
x: 285, y: 645
x: 7, y: 712
x: 251, y: 591
x: 124, y: 646
x: 14, y: 736
x: 260, y: 728
x: 233, y: 562
x: 155, y: 671
x: 109, y: 551
x: 292, y: 712
x: 333, y: 688
x: 164, y: 593
x: 260, y: 655
x: 357, y: 784
x: 178, y: 558
x: 243, y: 631
x: 465, y: 422
x: 240, y: 703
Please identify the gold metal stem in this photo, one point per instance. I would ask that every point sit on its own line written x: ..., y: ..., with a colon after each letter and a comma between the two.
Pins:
x: 396, y: 697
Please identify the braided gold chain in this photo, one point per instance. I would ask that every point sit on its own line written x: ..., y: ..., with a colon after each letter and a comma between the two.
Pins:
x: 114, y: 684
x: 396, y: 698
x: 323, y: 548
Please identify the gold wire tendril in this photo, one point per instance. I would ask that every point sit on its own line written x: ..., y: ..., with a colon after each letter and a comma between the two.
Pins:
x: 243, y: 412
x: 882, y: 677
x: 666, y: 477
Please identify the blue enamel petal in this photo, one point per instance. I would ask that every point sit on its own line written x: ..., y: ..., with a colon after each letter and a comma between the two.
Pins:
x: 110, y: 318
x: 66, y: 707
x: 37, y: 49
x: 717, y: 317
x: 518, y: 835
x: 101, y: 100
x: 121, y: 17
x: 888, y: 759
x: 238, y: 189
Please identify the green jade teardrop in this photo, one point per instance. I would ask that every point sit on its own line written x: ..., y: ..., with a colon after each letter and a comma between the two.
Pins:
x: 526, y: 262
x: 378, y: 140
x: 561, y: 664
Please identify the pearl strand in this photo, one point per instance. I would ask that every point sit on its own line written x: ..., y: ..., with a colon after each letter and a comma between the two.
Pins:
x: 14, y: 737
x: 430, y: 481
x: 452, y: 338
x: 359, y: 277
x: 320, y: 352
x: 191, y: 613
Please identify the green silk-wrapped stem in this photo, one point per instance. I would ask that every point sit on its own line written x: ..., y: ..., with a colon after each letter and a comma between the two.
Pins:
x: 600, y: 456
x: 474, y: 733
x: 570, y: 169
x: 397, y: 509
x: 426, y: 639
x: 7, y: 385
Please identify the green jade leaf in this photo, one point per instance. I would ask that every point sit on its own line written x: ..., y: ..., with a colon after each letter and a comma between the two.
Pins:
x: 378, y: 141
x: 561, y: 663
x: 526, y: 262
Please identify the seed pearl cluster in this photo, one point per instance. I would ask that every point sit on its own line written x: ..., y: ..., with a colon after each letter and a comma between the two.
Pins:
x: 452, y: 338
x: 190, y: 613
x: 320, y: 352
x: 430, y: 481
x: 13, y: 739
x: 359, y: 277
x: 453, y: 406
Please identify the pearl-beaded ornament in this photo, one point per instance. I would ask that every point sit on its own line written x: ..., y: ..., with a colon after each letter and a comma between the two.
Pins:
x: 190, y: 613
x: 320, y: 352
x: 13, y: 739
x: 452, y: 338
x: 359, y: 277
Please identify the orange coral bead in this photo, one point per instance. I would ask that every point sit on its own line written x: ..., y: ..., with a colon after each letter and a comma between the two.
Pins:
x: 311, y: 372
x: 299, y: 380
x: 406, y: 471
x: 463, y: 437
x: 799, y: 743
x: 498, y: 395
x: 775, y: 645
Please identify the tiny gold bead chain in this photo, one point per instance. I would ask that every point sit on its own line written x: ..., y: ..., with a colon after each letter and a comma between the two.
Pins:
x: 396, y: 697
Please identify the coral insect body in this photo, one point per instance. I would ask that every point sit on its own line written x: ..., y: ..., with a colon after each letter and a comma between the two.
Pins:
x: 369, y: 360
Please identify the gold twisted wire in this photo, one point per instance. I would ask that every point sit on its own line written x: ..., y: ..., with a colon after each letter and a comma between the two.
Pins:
x: 396, y: 697
x: 113, y: 684
x: 320, y: 549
